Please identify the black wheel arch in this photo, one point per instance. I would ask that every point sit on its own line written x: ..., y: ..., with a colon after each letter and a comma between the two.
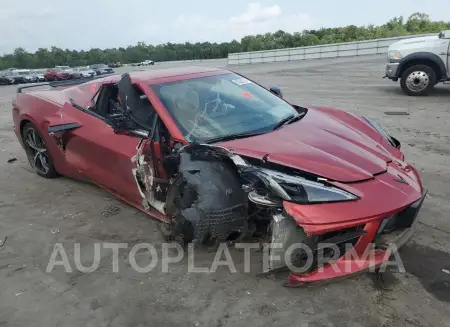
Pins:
x: 23, y: 123
x: 424, y: 58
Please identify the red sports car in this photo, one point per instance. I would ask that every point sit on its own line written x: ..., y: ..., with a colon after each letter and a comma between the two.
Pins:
x: 56, y: 74
x: 216, y: 157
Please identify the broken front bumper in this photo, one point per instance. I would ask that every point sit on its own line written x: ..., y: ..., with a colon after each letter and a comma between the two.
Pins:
x: 369, y: 250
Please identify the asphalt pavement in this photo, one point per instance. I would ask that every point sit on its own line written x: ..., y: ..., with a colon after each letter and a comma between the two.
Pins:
x: 36, y: 214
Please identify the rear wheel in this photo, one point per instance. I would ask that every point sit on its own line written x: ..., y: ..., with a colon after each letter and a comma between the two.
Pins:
x: 418, y: 80
x: 37, y: 152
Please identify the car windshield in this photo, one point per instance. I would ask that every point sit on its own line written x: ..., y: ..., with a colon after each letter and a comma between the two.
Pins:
x: 84, y: 69
x: 212, y: 107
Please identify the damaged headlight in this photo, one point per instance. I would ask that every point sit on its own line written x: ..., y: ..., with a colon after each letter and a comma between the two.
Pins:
x: 299, y: 190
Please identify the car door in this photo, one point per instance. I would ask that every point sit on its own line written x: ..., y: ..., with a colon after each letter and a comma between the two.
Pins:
x: 101, y: 154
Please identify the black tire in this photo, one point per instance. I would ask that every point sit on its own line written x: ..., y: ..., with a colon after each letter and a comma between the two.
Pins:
x: 418, y: 80
x: 42, y: 163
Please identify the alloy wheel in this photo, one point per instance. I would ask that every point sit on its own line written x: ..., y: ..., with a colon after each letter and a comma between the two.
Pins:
x: 36, y: 151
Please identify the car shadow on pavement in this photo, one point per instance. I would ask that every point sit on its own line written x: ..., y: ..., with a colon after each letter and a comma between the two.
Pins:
x: 431, y: 267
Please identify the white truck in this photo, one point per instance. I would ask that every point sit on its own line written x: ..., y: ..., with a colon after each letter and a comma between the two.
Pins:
x: 420, y: 62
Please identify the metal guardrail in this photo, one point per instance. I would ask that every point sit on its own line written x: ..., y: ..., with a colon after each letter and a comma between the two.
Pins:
x: 336, y: 50
x: 185, y: 61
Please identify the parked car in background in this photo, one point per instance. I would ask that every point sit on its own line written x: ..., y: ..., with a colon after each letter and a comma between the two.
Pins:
x: 115, y: 65
x: 30, y: 77
x: 56, y: 74
x: 5, y: 79
x: 19, y: 76
x: 83, y: 72
x: 40, y: 74
x: 146, y: 63
x: 69, y: 70
x: 101, y: 69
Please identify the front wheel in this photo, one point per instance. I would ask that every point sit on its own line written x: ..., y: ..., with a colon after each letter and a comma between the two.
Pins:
x: 37, y: 152
x: 418, y: 80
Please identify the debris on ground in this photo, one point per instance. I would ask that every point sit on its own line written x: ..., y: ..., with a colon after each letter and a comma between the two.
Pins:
x: 396, y: 113
x: 11, y: 159
x: 54, y: 231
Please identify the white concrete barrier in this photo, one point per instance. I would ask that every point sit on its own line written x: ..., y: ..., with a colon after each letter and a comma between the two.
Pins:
x: 348, y: 49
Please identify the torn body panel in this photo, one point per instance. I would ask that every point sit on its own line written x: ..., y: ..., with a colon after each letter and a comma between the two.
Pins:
x: 206, y: 202
x: 284, y: 234
x: 144, y: 175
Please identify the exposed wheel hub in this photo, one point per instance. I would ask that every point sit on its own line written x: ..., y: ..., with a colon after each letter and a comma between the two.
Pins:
x: 417, y: 81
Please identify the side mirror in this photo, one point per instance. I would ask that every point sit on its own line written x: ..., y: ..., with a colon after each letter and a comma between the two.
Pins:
x: 277, y: 91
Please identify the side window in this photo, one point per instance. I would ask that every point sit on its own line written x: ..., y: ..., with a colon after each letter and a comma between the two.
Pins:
x: 144, y: 109
x: 95, y: 89
x: 105, y: 101
x: 108, y: 100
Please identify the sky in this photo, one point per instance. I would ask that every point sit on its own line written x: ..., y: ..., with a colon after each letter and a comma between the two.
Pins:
x: 84, y: 24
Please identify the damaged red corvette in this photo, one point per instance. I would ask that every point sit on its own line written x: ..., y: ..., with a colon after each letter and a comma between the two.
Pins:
x: 216, y: 157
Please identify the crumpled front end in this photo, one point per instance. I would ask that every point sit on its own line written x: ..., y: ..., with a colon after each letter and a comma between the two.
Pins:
x: 317, y: 229
x: 364, y: 246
